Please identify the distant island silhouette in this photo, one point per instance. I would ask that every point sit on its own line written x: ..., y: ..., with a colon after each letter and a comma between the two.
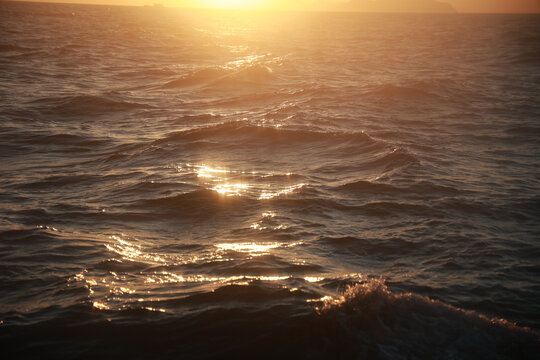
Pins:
x: 412, y: 6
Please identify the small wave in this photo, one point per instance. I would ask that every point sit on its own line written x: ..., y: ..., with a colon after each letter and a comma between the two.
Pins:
x: 466, y: 207
x: 241, y: 293
x: 397, y: 158
x: 395, y: 92
x: 34, y: 216
x: 11, y: 47
x: 263, y: 265
x: 524, y: 131
x: 253, y: 74
x: 199, y: 118
x: 253, y: 99
x: 28, y: 54
x: 423, y: 188
x: 84, y: 105
x: 282, y: 177
x: 152, y: 187
x: 386, y: 208
x: 55, y: 181
x: 361, y: 246
x: 33, y: 235
x: 249, y: 133
x: 120, y: 265
x: 526, y: 58
x: 141, y: 73
x: 220, y: 77
x: 197, y: 203
x: 363, y: 186
x: 64, y: 139
x: 197, y: 78
x: 384, y: 162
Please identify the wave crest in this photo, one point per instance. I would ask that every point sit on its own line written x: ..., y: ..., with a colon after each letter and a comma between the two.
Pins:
x: 404, y: 324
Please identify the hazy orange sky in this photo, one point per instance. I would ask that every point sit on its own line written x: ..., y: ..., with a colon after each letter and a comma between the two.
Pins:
x: 485, y: 6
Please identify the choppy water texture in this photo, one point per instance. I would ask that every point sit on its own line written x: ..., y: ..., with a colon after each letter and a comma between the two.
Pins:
x: 268, y: 185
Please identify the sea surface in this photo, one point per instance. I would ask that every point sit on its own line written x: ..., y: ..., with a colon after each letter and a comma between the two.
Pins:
x: 216, y: 184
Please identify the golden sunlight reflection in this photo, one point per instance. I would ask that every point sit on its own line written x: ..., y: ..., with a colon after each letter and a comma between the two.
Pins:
x: 100, y: 306
x: 238, y: 182
x: 118, y: 290
x: 128, y: 251
x: 231, y: 189
x: 272, y: 194
x: 131, y: 252
x: 205, y: 171
x: 267, y: 222
x: 248, y: 60
x: 154, y: 309
x: 165, y: 277
x: 124, y: 291
x: 252, y: 248
x: 124, y: 248
x: 326, y: 301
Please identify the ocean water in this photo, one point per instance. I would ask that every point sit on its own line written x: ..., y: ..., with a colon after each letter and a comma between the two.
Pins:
x: 219, y: 184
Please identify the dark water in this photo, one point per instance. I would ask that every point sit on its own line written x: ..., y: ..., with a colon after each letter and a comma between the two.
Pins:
x: 183, y: 184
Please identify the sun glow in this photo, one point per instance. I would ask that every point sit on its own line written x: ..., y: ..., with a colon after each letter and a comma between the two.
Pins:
x: 234, y: 4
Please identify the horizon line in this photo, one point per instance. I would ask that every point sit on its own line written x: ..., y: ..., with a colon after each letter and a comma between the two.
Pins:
x: 161, y: 5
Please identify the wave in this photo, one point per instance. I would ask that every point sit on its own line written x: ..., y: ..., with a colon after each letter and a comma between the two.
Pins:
x: 28, y: 54
x: 33, y: 235
x: 392, y: 208
x: 406, y: 325
x: 197, y: 78
x: 241, y: 293
x: 200, y: 203
x: 245, y: 132
x: 405, y: 93
x: 256, y: 100
x: 150, y: 188
x: 56, y: 181
x: 62, y: 140
x: 397, y: 158
x: 11, y: 47
x: 223, y: 77
x: 147, y: 72
x: 524, y: 131
x: 200, y: 118
x: 439, y: 90
x: 253, y: 74
x: 422, y: 188
x: 467, y: 207
x: 373, y: 161
x: 366, y: 321
x: 367, y: 247
x: 234, y: 265
x: 529, y: 58
x: 85, y: 105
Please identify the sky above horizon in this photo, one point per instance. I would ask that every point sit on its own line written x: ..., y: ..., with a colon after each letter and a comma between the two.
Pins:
x: 482, y: 6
